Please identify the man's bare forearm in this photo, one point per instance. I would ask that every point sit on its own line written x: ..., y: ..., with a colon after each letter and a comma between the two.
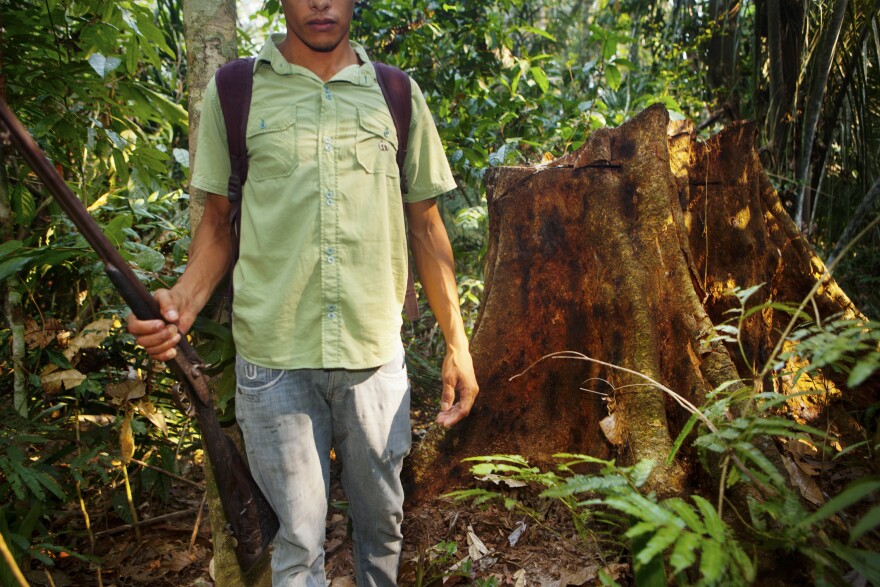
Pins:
x: 435, y: 267
x: 209, y: 255
x: 432, y: 254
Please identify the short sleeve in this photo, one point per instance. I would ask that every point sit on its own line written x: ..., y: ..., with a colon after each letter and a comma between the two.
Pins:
x: 211, y: 169
x: 427, y: 168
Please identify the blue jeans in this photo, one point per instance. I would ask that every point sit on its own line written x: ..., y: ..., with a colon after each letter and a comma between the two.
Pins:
x: 290, y: 420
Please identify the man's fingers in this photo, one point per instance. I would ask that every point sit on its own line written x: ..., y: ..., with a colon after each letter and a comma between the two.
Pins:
x: 167, y: 305
x: 142, y: 327
x: 447, y: 398
x: 159, y: 341
x: 452, y: 413
x: 450, y: 417
x: 160, y: 345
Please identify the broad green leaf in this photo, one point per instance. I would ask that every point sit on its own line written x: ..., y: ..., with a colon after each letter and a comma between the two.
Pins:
x: 149, y: 259
x: 612, y: 76
x: 9, y: 246
x: 609, y: 49
x: 118, y: 141
x: 182, y: 157
x: 641, y: 471
x: 649, y: 574
x: 745, y: 563
x: 12, y: 266
x: 540, y: 78
x: 115, y: 229
x: 130, y: 21
x: 641, y: 528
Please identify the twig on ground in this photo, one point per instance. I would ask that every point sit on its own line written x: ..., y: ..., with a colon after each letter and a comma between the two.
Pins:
x: 168, y: 473
x: 148, y: 522
x: 195, y: 532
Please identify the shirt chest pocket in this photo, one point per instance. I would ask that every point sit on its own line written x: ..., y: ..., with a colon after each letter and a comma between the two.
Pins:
x: 271, y: 144
x: 376, y: 143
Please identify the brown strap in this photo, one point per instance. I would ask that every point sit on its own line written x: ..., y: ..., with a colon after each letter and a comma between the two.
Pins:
x: 397, y: 90
x: 235, y: 82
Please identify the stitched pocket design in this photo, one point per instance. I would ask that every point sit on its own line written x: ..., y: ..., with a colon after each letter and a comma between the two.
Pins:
x: 252, y: 379
x: 271, y: 144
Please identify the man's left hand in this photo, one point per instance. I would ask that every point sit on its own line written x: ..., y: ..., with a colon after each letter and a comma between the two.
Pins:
x: 458, y: 379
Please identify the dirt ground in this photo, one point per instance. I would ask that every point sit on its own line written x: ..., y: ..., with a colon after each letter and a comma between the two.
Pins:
x: 446, y: 542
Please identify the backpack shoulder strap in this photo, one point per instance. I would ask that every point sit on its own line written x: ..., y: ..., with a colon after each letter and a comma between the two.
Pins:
x: 397, y: 90
x: 235, y: 82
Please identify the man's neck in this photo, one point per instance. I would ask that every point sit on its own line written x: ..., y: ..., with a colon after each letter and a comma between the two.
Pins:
x: 324, y: 64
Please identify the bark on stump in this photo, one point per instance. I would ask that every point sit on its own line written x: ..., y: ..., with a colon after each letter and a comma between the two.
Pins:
x: 592, y: 253
x: 740, y: 235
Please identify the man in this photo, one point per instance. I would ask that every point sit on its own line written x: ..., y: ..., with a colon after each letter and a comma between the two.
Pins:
x: 319, y: 287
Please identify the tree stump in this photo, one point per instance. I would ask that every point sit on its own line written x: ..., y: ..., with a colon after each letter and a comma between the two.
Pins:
x: 740, y: 235
x: 592, y: 253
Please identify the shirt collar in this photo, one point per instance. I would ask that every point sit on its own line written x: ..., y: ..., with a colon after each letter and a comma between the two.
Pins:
x: 361, y: 75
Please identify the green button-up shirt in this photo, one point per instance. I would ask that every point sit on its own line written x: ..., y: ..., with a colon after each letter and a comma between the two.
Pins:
x: 321, y: 276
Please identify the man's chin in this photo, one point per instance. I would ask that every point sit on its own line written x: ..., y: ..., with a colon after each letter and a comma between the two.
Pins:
x: 323, y: 46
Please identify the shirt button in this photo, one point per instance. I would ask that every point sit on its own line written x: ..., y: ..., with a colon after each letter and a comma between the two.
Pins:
x: 327, y: 93
x: 332, y: 315
x: 329, y: 198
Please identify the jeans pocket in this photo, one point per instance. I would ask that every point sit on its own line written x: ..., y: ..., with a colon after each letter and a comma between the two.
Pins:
x: 252, y: 380
x: 396, y: 367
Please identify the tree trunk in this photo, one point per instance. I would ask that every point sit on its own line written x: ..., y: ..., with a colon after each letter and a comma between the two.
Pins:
x: 12, y: 295
x: 211, y: 42
x: 722, y: 47
x: 776, y: 124
x: 824, y: 57
x: 611, y: 252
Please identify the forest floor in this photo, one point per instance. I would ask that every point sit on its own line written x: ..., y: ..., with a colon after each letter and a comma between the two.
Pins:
x: 446, y: 542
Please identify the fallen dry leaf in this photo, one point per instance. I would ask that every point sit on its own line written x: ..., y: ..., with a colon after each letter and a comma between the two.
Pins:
x: 125, y: 390
x: 578, y: 577
x: 40, y: 336
x: 805, y: 484
x: 476, y: 548
x: 53, y: 380
x: 148, y: 410
x: 90, y: 337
